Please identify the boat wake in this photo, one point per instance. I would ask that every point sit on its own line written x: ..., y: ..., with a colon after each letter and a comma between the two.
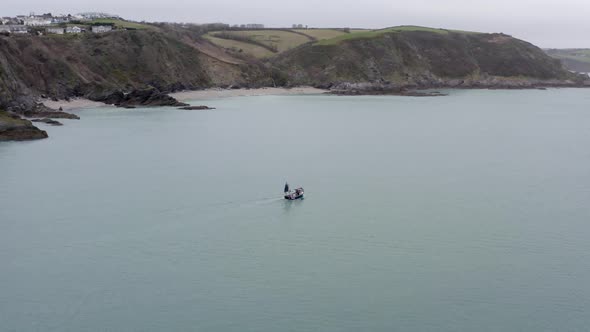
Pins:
x: 224, y: 205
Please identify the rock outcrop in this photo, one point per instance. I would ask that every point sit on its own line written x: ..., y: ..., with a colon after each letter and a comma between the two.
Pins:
x: 48, y: 121
x: 13, y: 128
x: 199, y: 107
x: 145, y: 97
x: 41, y: 111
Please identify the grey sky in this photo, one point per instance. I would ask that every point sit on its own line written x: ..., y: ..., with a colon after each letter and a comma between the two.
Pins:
x: 546, y: 23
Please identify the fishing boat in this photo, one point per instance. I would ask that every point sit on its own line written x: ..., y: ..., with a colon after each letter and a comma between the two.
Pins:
x: 293, y: 194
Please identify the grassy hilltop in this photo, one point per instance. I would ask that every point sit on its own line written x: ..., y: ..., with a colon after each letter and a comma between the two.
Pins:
x: 417, y: 55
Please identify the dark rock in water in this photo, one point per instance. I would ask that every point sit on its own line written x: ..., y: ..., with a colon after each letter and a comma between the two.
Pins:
x: 422, y: 94
x: 13, y: 128
x: 147, y: 97
x: 42, y: 111
x: 200, y: 107
x: 128, y: 106
x: 51, y: 115
x: 48, y: 121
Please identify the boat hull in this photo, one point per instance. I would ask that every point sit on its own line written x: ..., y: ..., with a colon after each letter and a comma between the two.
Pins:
x: 293, y: 194
x: 293, y: 197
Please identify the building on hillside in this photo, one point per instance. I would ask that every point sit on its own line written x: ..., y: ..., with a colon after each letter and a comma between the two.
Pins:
x: 74, y: 29
x: 36, y: 20
x: 18, y: 29
x: 254, y: 26
x: 101, y: 28
x: 9, y: 21
x: 97, y: 15
x: 60, y: 19
x: 55, y: 31
x: 299, y: 26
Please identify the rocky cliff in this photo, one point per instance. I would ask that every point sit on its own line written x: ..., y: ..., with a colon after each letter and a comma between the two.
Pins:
x: 99, y: 65
x: 423, y: 58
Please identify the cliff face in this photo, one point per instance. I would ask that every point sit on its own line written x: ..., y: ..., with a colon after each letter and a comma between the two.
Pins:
x: 96, y: 65
x: 423, y: 58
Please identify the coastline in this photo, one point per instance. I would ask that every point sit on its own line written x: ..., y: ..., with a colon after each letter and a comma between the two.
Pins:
x: 216, y: 93
x: 72, y: 104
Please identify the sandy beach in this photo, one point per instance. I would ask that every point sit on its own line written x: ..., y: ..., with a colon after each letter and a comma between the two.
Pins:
x: 72, y: 104
x: 224, y: 93
x: 80, y: 103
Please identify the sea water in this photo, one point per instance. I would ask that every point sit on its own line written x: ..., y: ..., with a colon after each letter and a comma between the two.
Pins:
x: 468, y: 212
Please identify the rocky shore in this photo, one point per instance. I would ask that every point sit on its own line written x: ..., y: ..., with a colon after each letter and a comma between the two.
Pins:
x: 199, y: 107
x: 418, y: 88
x: 145, y: 97
x: 14, y: 128
x: 48, y: 121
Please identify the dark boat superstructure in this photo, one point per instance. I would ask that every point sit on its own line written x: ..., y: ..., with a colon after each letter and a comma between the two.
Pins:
x: 293, y: 194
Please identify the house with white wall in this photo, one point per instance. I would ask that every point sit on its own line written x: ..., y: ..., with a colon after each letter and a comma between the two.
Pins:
x: 36, y: 21
x: 55, y: 31
x: 74, y: 29
x: 19, y: 29
x: 101, y: 28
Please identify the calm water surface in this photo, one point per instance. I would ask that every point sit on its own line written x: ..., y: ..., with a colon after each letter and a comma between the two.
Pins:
x: 461, y: 213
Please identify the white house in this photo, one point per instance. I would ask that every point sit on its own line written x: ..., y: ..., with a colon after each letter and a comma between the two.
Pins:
x: 73, y: 29
x: 101, y: 28
x: 36, y: 21
x: 14, y: 28
x: 60, y: 19
x: 56, y: 31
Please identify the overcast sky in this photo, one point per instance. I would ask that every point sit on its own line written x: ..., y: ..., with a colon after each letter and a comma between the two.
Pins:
x: 546, y: 23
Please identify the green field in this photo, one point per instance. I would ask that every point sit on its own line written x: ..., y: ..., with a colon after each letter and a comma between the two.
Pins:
x: 278, y: 39
x: 365, y: 34
x: 121, y: 24
x: 580, y: 54
x: 283, y: 40
x: 321, y: 34
x: 574, y: 59
x: 238, y: 46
